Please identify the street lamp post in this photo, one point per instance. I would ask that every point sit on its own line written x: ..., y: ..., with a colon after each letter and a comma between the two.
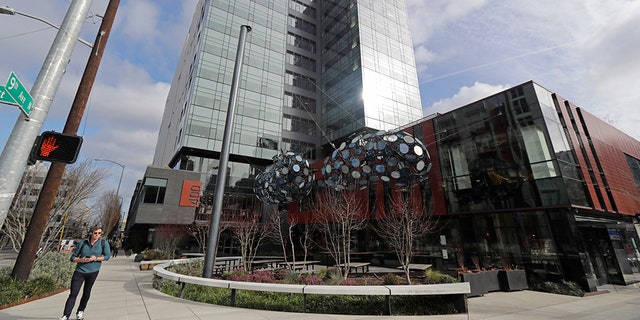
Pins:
x: 121, y: 174
x: 10, y: 11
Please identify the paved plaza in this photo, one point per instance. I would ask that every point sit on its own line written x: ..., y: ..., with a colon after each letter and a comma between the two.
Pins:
x: 124, y: 292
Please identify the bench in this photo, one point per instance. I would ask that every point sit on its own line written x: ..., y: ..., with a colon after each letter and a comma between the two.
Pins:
x: 458, y: 290
x: 267, y: 264
x: 417, y: 267
x: 298, y: 265
x: 354, y: 266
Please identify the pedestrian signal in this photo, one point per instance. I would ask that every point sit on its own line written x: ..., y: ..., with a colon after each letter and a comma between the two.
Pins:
x: 57, y: 147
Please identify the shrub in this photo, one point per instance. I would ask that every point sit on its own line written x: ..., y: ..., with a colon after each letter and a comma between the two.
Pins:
x: 154, y: 254
x: 569, y: 288
x: 235, y: 274
x: 193, y: 268
x: 290, y: 277
x: 261, y: 277
x: 52, y: 272
x: 55, y: 265
x: 310, y: 279
x: 11, y: 290
x: 323, y: 273
x: 390, y: 279
x: 283, y: 273
x: 333, y: 277
x: 40, y: 285
x: 435, y: 277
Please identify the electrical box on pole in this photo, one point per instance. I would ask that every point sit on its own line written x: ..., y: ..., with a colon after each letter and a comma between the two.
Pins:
x: 57, y: 147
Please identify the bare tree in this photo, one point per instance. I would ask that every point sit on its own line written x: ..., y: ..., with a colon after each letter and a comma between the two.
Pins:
x: 277, y: 223
x: 108, y: 211
x: 169, y: 237
x: 199, y: 232
x: 408, y: 221
x: 80, y: 182
x: 338, y: 214
x: 250, y: 232
x: 19, y: 215
x: 305, y: 240
x: 281, y: 231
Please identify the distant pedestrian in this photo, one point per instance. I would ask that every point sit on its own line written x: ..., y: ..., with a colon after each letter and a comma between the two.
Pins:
x: 88, y: 254
x: 116, y: 247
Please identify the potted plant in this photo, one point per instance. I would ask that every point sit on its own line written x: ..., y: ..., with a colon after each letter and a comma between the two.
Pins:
x: 512, y: 278
x: 478, y: 280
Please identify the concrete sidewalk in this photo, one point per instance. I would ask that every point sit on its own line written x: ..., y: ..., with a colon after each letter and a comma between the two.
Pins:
x: 124, y: 292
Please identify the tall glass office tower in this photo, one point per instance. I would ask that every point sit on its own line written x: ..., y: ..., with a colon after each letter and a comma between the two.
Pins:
x: 314, y: 71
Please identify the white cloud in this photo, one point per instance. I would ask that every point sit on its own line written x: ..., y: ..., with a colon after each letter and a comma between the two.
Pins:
x: 122, y: 117
x: 140, y: 20
x: 465, y: 96
x: 585, y: 51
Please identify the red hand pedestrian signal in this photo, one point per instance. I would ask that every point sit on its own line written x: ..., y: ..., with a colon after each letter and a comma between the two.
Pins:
x: 57, y: 147
x: 48, y: 145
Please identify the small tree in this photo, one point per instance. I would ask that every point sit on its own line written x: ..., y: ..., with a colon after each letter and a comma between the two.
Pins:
x: 407, y: 222
x: 108, y: 208
x: 199, y: 232
x: 276, y: 232
x: 305, y: 240
x: 169, y: 237
x: 80, y: 181
x: 250, y: 231
x: 337, y: 216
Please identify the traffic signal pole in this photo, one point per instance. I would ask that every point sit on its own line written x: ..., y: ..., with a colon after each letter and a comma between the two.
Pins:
x: 16, y: 151
x: 49, y: 190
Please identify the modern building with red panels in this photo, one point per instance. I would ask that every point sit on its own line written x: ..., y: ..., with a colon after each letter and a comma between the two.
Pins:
x: 524, y: 179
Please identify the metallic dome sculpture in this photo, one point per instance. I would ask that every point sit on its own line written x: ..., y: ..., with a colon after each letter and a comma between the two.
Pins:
x: 287, y: 179
x: 382, y: 156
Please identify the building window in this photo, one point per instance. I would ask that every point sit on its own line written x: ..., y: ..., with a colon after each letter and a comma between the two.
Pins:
x: 301, y: 42
x: 301, y: 61
x: 303, y: 8
x: 634, y: 165
x: 302, y: 25
x: 297, y: 124
x: 267, y: 143
x: 300, y: 81
x: 296, y: 101
x: 154, y: 190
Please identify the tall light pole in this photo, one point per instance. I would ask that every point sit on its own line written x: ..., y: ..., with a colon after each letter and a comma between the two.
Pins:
x: 121, y: 173
x: 15, y: 154
x: 216, y: 213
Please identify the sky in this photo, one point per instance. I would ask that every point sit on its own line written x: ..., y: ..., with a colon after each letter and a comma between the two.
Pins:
x: 587, y: 51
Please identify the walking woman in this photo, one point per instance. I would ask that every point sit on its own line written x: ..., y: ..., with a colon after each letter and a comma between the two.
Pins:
x: 88, y: 255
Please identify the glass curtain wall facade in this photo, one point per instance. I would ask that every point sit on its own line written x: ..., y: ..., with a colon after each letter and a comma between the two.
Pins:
x: 306, y: 69
x: 508, y: 151
x: 369, y: 77
x: 506, y: 158
x: 515, y: 188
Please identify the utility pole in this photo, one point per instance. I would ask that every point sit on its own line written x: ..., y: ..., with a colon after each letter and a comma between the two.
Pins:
x: 49, y: 191
x: 16, y: 151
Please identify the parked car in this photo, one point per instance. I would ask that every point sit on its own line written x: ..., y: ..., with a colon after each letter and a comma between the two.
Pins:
x: 68, y: 245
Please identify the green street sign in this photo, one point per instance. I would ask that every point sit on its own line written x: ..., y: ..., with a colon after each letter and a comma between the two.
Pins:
x: 5, y: 97
x: 17, y: 91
